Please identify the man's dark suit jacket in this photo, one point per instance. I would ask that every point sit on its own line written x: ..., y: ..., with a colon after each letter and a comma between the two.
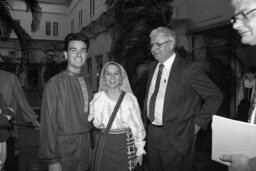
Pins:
x: 191, y: 98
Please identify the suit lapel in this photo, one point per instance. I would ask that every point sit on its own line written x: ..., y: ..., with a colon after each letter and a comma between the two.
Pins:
x: 172, y: 82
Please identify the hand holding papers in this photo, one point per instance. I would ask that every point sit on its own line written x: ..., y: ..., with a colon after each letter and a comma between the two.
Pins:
x: 232, y: 137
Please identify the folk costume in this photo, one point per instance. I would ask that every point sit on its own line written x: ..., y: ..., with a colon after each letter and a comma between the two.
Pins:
x: 125, y: 139
x: 14, y: 96
x: 64, y: 129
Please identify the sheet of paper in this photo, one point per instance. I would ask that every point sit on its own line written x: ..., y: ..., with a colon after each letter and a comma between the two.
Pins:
x: 232, y: 137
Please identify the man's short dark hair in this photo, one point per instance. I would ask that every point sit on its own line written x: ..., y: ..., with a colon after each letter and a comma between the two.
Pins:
x: 75, y: 36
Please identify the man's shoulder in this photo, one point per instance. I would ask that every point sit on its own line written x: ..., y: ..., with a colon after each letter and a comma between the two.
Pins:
x: 7, y: 77
x: 185, y: 61
x: 6, y: 74
x: 56, y: 79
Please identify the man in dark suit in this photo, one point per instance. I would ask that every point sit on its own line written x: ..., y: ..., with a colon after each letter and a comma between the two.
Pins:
x: 180, y: 100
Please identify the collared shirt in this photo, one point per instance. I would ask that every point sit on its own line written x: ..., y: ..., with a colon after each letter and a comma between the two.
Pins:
x: 252, y: 119
x: 161, y: 93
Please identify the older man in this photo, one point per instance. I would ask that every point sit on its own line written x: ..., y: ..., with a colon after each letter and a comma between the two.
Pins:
x: 244, y: 21
x: 176, y: 91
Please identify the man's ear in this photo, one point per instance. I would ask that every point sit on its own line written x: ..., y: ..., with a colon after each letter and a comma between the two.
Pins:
x: 66, y: 54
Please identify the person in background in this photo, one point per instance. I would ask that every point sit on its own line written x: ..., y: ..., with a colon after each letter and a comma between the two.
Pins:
x: 64, y: 134
x: 14, y: 97
x: 246, y: 94
x: 119, y: 153
x: 244, y: 21
x: 181, y: 100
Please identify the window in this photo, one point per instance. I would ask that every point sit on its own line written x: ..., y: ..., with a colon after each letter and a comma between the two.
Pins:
x: 48, y: 28
x: 55, y: 29
x: 72, y: 26
x: 92, y: 8
x: 80, y: 18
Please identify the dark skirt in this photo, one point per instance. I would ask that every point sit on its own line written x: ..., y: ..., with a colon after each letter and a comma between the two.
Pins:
x: 119, y: 152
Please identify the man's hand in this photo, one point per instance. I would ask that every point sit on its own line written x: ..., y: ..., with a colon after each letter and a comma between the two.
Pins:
x: 139, y: 160
x: 55, y: 167
x: 197, y: 128
x: 36, y: 124
x: 238, y: 162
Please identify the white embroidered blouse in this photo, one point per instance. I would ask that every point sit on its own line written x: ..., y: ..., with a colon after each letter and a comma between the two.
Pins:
x: 128, y: 116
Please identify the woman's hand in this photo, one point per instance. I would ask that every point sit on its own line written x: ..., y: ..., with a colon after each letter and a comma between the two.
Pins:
x: 139, y: 160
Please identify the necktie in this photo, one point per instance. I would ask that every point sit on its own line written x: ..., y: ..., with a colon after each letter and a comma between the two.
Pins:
x: 252, y: 117
x: 153, y: 97
x: 254, y: 120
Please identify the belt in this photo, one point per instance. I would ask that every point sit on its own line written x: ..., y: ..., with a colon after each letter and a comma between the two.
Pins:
x: 156, y: 126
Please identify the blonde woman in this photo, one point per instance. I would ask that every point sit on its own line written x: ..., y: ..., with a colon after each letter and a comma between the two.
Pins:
x: 125, y: 143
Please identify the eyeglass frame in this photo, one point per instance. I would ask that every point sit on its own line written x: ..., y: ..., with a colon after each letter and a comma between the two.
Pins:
x: 244, y: 16
x: 159, y: 45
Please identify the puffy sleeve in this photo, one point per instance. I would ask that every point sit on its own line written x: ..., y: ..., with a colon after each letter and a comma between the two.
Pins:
x: 96, y: 108
x: 48, y: 147
x: 91, y: 113
x: 27, y: 112
x: 135, y: 123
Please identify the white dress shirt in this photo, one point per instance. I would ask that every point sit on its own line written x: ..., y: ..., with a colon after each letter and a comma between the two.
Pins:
x: 252, y: 119
x: 158, y: 118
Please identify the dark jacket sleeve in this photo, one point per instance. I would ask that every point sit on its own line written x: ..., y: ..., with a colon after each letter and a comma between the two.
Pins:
x: 208, y: 91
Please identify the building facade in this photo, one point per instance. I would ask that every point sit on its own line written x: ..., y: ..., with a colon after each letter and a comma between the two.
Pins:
x: 202, y: 28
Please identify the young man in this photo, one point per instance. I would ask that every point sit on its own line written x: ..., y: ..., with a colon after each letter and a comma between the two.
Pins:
x: 64, y: 134
x: 177, y: 88
x: 244, y: 21
x: 14, y: 97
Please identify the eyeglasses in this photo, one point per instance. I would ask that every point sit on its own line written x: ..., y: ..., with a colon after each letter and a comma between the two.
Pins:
x: 241, y: 16
x: 158, y: 45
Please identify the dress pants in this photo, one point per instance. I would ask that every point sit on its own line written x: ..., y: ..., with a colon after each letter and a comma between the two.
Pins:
x: 162, y: 155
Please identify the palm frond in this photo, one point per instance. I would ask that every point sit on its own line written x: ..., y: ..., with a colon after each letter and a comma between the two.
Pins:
x: 135, y: 19
x: 5, y: 16
x: 6, y: 4
x: 36, y: 11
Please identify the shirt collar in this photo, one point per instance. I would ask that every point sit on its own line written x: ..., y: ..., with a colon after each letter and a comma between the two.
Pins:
x: 73, y: 74
x: 168, y: 63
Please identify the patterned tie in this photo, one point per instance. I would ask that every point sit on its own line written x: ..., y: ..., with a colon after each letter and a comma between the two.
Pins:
x: 254, y: 119
x: 251, y: 110
x: 153, y: 97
